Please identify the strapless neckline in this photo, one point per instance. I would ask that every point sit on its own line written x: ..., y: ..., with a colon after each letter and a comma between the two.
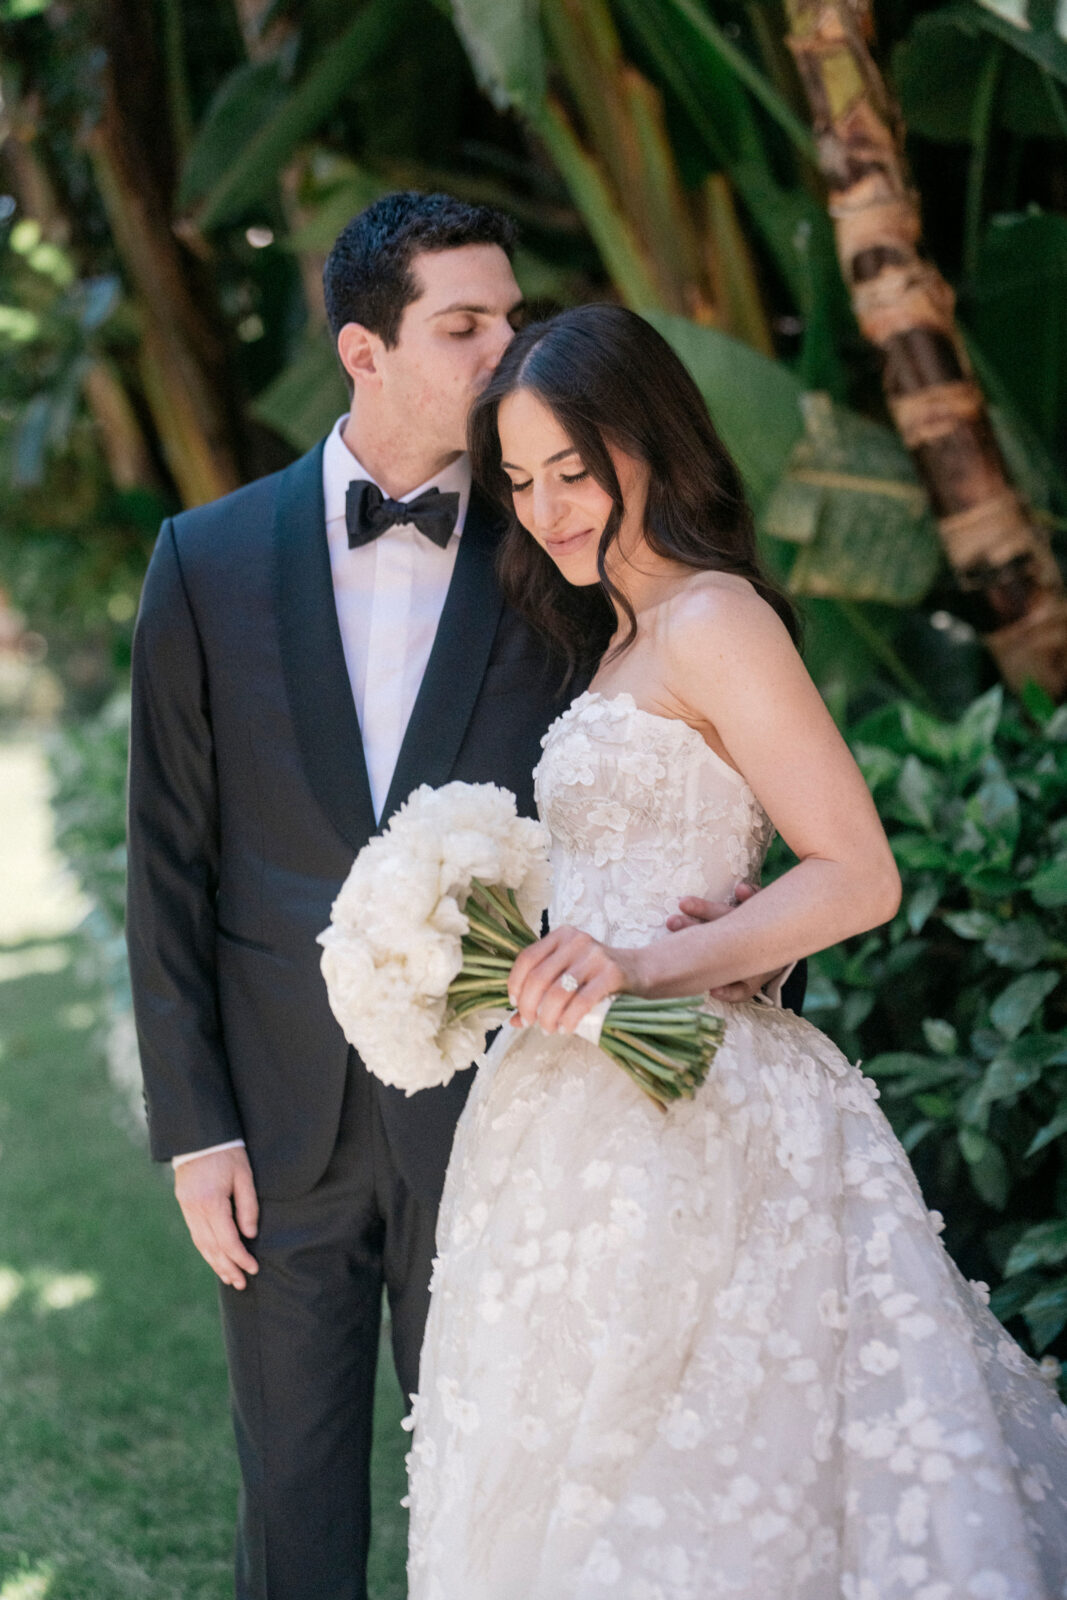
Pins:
x: 624, y: 698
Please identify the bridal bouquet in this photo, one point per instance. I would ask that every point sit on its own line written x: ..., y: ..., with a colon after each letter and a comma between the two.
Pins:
x: 425, y: 930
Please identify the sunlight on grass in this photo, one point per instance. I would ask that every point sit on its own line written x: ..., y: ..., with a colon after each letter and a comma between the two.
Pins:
x: 29, y: 963
x: 58, y: 1291
x: 51, y: 1291
x: 78, y: 1017
x: 32, y: 1585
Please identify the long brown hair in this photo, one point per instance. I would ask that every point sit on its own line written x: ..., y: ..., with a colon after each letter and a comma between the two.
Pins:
x: 606, y: 374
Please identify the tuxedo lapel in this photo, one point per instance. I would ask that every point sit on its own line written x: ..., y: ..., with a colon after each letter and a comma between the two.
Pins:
x: 457, y: 662
x: 313, y: 660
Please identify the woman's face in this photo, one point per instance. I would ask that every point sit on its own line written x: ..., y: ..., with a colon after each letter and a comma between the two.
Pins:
x: 557, y: 499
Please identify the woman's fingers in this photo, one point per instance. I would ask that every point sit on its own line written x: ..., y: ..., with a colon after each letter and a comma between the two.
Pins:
x: 607, y: 978
x: 534, y: 985
x: 536, y: 988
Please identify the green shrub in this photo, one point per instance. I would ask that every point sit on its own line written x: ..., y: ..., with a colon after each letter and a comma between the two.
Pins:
x: 959, y: 1006
x: 88, y: 761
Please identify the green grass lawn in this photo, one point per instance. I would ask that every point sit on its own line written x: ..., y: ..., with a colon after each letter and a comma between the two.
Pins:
x: 117, y: 1476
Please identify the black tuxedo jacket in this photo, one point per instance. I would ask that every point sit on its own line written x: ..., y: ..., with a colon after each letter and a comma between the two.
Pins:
x: 248, y: 799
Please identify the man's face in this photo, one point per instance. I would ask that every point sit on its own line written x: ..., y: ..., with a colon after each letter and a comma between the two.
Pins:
x: 451, y: 338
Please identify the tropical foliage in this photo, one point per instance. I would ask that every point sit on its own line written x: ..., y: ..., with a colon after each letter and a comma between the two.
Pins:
x: 959, y: 1006
x: 177, y: 170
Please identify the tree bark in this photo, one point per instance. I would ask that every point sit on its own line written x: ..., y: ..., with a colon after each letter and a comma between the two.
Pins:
x: 1013, y: 589
x: 195, y: 413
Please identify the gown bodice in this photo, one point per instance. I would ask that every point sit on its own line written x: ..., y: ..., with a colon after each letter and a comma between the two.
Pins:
x: 641, y: 812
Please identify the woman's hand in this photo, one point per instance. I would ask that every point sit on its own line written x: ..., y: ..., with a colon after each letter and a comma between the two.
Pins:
x: 538, y: 995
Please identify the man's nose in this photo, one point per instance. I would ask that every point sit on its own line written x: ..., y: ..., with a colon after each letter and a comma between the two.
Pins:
x: 503, y: 335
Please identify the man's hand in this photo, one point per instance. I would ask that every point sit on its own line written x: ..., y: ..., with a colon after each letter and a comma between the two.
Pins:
x: 218, y: 1197
x: 692, y: 911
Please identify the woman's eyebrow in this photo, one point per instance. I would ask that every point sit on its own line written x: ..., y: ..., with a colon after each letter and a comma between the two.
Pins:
x: 560, y: 455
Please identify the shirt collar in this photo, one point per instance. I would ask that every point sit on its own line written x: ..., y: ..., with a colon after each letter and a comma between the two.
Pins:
x: 340, y: 465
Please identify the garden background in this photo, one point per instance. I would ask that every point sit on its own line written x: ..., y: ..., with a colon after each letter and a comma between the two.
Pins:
x: 748, y: 173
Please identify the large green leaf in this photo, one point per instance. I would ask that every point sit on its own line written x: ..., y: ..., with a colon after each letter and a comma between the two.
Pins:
x: 697, y: 63
x: 1016, y: 304
x: 336, y: 208
x: 1016, y: 22
x: 254, y: 166
x: 242, y: 104
x: 754, y: 402
x: 306, y: 398
x: 938, y: 73
x: 849, y: 498
x: 503, y: 40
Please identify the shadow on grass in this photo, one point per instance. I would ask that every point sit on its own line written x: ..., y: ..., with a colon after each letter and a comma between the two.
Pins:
x: 117, y: 1476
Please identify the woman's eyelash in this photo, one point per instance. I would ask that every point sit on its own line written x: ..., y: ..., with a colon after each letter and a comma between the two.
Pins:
x: 517, y: 488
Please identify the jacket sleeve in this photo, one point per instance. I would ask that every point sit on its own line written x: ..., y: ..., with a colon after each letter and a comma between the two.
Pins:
x: 173, y: 840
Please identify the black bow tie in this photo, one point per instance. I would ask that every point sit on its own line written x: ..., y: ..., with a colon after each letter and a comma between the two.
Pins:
x: 368, y: 513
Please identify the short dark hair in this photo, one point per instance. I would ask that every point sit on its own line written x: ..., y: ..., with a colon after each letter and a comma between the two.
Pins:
x: 368, y: 278
x: 607, y: 375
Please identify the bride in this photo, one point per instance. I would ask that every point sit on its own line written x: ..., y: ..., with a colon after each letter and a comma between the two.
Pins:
x: 719, y: 1351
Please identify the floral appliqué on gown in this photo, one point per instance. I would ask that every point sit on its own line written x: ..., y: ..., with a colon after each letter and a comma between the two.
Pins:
x: 720, y: 1352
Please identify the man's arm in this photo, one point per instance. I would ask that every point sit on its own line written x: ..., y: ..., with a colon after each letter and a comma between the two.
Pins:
x: 784, y: 988
x: 173, y: 841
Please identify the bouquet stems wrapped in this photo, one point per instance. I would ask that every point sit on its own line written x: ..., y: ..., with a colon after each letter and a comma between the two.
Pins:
x: 666, y: 1046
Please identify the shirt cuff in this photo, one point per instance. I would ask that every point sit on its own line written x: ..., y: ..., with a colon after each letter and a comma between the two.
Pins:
x: 194, y: 1155
x: 774, y: 986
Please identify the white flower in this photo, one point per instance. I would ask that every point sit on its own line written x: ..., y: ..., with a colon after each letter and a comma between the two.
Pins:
x: 644, y: 1511
x: 394, y: 941
x: 603, y: 1565
x: 878, y: 1358
x: 681, y: 1428
x: 877, y: 1249
x: 766, y: 1526
x: 912, y: 1514
x: 580, y: 1503
x: 596, y: 1174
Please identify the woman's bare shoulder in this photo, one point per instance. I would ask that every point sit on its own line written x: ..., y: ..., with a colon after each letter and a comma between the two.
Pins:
x: 720, y: 612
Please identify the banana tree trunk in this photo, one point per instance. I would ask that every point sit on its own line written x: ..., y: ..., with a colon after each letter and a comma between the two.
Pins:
x: 999, y: 553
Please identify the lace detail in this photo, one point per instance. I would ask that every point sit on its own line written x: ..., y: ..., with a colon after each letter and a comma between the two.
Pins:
x: 722, y: 1352
x: 617, y: 872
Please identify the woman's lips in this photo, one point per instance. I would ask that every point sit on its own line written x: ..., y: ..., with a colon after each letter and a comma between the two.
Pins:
x: 570, y: 541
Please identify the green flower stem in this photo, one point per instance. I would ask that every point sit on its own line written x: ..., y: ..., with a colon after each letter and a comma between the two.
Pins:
x: 505, y: 904
x: 664, y: 1046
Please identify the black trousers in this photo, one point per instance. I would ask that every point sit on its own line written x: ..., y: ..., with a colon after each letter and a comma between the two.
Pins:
x: 302, y: 1346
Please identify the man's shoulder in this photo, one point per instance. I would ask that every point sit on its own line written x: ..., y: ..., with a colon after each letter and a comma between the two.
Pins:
x: 245, y: 507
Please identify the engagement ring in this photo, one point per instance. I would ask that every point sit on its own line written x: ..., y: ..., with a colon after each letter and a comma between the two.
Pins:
x: 568, y: 982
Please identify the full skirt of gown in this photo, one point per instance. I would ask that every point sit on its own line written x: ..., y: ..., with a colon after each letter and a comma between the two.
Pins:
x: 718, y: 1352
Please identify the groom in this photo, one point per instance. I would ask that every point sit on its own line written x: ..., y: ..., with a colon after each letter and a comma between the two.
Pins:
x: 309, y: 650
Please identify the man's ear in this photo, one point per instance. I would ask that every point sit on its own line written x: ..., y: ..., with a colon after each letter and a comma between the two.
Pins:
x: 359, y: 351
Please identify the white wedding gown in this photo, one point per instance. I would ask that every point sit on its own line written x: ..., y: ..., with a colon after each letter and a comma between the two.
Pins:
x: 722, y: 1351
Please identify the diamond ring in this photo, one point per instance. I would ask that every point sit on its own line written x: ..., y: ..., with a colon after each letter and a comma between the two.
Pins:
x: 569, y: 982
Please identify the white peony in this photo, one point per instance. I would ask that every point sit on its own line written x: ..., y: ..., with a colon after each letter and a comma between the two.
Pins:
x: 394, y: 943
